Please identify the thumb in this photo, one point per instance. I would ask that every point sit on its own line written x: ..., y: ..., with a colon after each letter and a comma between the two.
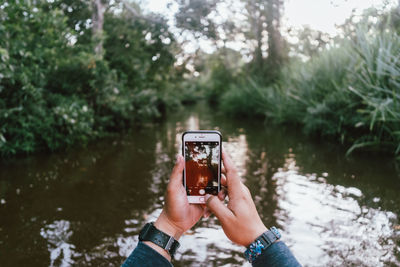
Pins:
x: 176, y: 175
x: 222, y: 212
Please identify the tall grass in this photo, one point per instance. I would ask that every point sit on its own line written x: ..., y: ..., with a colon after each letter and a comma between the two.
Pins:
x: 350, y: 92
x: 377, y: 86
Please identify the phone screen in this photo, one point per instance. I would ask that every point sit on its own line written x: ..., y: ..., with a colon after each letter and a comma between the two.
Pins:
x: 201, y: 167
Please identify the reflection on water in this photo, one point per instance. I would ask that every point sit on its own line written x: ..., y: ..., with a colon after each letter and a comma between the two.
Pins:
x: 336, y: 229
x: 86, y: 206
x: 57, y: 235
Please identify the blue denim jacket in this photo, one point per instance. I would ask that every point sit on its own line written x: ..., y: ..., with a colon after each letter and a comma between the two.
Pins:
x: 278, y: 254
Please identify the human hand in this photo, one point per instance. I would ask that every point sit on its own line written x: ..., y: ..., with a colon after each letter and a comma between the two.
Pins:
x: 178, y: 215
x: 239, y: 219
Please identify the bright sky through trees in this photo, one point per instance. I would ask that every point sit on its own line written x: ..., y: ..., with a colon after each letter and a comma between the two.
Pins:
x: 324, y: 14
x: 318, y: 14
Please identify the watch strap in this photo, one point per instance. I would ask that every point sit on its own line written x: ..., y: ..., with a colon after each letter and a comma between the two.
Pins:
x: 150, y: 233
x: 261, y: 243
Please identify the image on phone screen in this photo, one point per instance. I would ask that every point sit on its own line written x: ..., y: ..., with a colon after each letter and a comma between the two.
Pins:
x: 201, y: 170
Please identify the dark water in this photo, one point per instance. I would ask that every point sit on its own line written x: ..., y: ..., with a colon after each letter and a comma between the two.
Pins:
x: 85, y: 207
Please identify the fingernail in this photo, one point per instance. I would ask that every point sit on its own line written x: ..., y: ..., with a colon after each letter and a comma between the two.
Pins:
x: 207, y: 197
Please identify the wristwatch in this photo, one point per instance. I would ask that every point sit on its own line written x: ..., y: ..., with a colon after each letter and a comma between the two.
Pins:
x: 261, y: 243
x: 150, y: 233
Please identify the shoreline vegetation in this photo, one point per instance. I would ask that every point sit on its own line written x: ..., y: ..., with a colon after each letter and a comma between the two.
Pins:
x: 350, y: 93
x: 64, y: 82
x: 58, y: 88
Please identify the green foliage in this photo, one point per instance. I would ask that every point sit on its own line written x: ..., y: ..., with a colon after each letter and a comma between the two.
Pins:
x: 220, y: 70
x: 218, y: 82
x: 141, y: 52
x: 193, y: 15
x: 376, y: 84
x: 55, y: 92
x: 31, y: 42
x: 246, y: 98
x: 350, y: 92
x: 318, y: 89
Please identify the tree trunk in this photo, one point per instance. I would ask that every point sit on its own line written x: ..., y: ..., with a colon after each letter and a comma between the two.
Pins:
x: 258, y: 53
x: 256, y: 22
x: 97, y: 29
x: 275, y: 45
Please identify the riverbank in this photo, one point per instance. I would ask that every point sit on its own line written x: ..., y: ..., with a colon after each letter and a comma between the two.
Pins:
x: 63, y: 85
x: 349, y: 93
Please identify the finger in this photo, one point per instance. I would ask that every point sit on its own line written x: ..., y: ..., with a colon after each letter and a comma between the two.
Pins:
x: 223, y: 214
x: 222, y: 194
x: 206, y: 213
x: 228, y: 163
x: 223, y: 170
x: 233, y: 179
x: 223, y: 180
x: 176, y: 175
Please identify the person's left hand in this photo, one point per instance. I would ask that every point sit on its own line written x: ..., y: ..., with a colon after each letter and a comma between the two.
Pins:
x: 178, y: 215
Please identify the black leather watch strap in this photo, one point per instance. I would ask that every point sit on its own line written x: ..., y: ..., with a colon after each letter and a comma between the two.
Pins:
x: 150, y: 233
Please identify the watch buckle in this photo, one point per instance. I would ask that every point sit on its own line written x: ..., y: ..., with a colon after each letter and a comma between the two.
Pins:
x: 169, y: 243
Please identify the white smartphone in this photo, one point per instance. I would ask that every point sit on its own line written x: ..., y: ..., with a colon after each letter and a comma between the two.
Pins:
x: 202, y: 172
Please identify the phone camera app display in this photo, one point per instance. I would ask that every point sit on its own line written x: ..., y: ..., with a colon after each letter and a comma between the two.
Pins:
x: 201, y: 168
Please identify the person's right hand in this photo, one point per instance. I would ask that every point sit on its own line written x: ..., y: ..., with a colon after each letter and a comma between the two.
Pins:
x: 240, y: 220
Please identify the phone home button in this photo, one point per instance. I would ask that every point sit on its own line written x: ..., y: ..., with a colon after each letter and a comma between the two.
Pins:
x: 201, y: 199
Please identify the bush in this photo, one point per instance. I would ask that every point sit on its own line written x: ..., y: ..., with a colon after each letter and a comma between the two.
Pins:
x: 55, y: 92
x: 318, y: 92
x: 376, y: 85
x: 350, y: 92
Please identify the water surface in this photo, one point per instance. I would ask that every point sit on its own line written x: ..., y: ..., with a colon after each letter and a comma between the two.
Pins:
x: 85, y: 207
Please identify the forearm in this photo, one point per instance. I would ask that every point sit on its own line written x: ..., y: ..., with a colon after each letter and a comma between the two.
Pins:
x: 278, y: 254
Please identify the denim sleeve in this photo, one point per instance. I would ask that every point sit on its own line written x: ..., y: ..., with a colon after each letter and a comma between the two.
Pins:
x: 278, y: 254
x: 145, y: 256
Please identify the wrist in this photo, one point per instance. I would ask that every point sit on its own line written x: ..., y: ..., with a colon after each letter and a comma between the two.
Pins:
x: 164, y: 224
x: 262, y: 243
x: 259, y: 230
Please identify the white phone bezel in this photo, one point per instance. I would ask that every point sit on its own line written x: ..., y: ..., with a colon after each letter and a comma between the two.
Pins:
x: 200, y: 136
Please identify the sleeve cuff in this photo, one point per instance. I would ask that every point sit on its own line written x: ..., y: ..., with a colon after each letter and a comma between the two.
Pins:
x: 278, y: 254
x: 143, y: 255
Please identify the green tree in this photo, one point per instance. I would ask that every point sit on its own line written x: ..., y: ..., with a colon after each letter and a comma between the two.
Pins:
x: 57, y: 88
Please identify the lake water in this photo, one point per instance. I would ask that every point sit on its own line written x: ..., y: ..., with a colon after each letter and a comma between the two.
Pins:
x: 85, y: 207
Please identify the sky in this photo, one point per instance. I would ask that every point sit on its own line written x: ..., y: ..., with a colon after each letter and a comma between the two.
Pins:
x: 318, y: 14
x: 321, y: 15
x: 324, y: 14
